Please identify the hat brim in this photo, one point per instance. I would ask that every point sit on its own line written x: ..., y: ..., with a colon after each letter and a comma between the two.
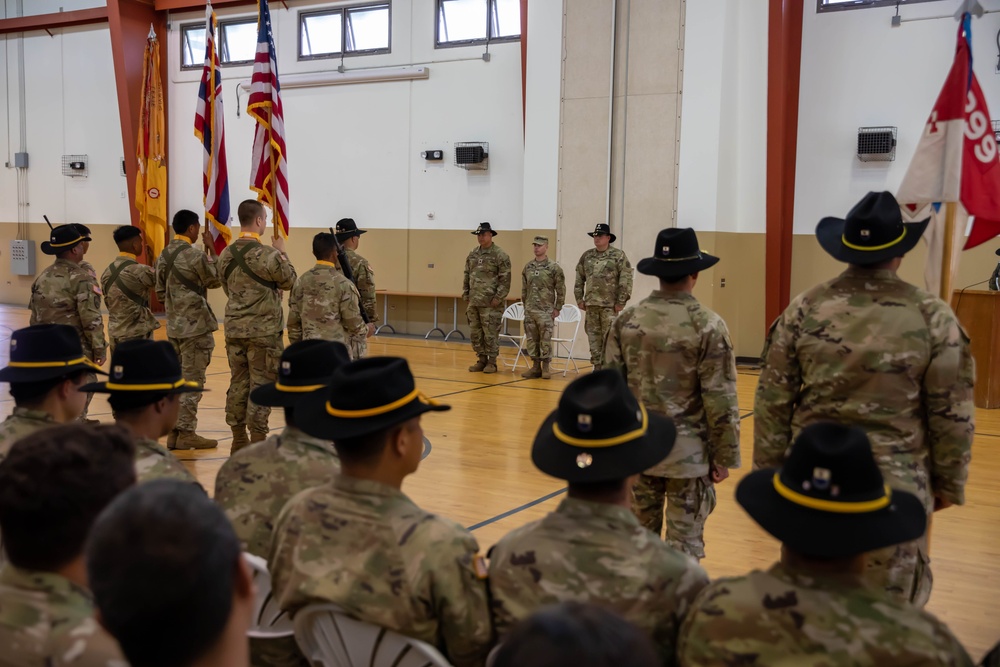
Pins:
x: 613, y: 237
x: 830, y: 234
x: 651, y: 266
x: 313, y: 418
x: 559, y: 459
x: 343, y: 236
x: 827, y: 534
x: 492, y: 232
x: 47, y: 248
x: 102, y: 388
x: 272, y: 397
x: 14, y: 374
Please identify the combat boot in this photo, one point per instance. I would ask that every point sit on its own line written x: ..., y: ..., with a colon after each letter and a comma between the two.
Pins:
x: 172, y: 439
x: 546, y: 374
x: 596, y: 368
x: 491, y: 365
x: 240, y: 439
x: 479, y: 365
x: 534, y: 372
x: 257, y: 436
x: 191, y: 440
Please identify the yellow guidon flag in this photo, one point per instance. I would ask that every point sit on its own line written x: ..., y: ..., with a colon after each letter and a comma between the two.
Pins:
x: 151, y: 177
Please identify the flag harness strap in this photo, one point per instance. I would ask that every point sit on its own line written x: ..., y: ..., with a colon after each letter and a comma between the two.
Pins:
x: 240, y: 261
x: 116, y: 281
x: 168, y: 260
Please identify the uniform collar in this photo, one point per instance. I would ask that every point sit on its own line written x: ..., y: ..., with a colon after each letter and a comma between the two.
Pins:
x: 672, y: 296
x: 57, y: 588
x: 322, y: 262
x: 35, y: 415
x: 290, y: 435
x: 871, y: 274
x: 148, y: 445
x: 250, y: 235
x: 127, y: 254
x: 365, y: 487
x: 837, y: 583
x: 585, y: 509
x: 183, y: 239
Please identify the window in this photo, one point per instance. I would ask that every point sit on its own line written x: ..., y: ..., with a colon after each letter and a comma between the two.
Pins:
x: 836, y: 5
x: 192, y: 46
x: 465, y: 22
x: 236, y: 41
x: 359, y: 30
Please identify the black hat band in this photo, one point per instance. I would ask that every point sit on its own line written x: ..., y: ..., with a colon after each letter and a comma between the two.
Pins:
x: 604, y: 442
x: 158, y: 386
x: 884, y: 246
x: 834, y: 506
x: 294, y: 388
x: 416, y: 394
x: 51, y: 364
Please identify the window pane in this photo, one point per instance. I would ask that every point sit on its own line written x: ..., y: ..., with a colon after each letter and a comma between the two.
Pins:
x: 321, y: 34
x: 368, y: 28
x: 239, y: 42
x: 505, y: 18
x: 462, y: 20
x: 192, y: 47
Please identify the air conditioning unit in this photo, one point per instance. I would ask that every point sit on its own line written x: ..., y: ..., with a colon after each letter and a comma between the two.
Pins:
x: 876, y: 144
x: 472, y: 155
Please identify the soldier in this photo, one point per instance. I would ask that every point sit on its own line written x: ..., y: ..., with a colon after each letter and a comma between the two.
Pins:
x: 364, y: 279
x: 603, y: 287
x: 359, y: 542
x: 592, y: 548
x: 65, y: 293
x: 871, y: 350
x: 252, y: 277
x: 830, y: 507
x: 183, y: 278
x: 53, y: 485
x: 143, y: 390
x: 543, y: 289
x: 84, y: 264
x: 324, y: 304
x: 126, y: 285
x: 484, y: 287
x: 677, y: 358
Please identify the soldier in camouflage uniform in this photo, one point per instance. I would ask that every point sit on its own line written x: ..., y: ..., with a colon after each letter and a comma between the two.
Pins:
x: 255, y: 483
x: 126, y: 285
x: 677, y: 358
x: 359, y: 542
x: 603, y: 287
x: 323, y: 305
x: 485, y: 287
x: 183, y: 277
x: 592, y: 548
x: 543, y: 289
x: 143, y: 390
x: 830, y: 508
x: 364, y: 279
x: 66, y: 293
x: 46, y: 611
x: 868, y: 349
x: 84, y: 264
x: 252, y: 277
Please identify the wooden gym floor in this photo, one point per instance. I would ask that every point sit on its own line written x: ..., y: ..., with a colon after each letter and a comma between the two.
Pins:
x: 479, y: 472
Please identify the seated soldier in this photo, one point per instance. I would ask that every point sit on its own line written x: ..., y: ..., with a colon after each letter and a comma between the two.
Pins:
x: 829, y: 507
x: 143, y: 389
x: 53, y: 484
x: 359, y: 542
x: 46, y: 369
x: 592, y: 548
x: 163, y: 553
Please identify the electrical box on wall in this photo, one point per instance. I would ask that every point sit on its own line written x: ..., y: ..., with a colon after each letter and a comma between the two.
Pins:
x: 22, y: 257
x: 432, y: 155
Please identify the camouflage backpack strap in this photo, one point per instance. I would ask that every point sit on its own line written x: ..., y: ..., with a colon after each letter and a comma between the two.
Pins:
x: 240, y: 261
x: 169, y: 260
x: 116, y: 281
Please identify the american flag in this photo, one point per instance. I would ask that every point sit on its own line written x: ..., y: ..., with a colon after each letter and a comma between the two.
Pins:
x: 209, y: 128
x: 269, y: 166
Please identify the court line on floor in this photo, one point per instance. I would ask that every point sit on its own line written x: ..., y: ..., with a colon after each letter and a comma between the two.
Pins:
x: 485, y: 386
x: 516, y: 510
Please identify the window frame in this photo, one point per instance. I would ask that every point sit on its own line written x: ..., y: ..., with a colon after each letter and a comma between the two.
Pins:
x: 221, y: 43
x: 343, y: 11
x: 864, y: 4
x: 489, y: 39
x: 184, y: 29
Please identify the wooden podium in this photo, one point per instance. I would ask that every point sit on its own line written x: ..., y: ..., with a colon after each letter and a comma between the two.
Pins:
x: 979, y: 313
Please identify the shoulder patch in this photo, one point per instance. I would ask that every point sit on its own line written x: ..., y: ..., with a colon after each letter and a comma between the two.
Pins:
x: 97, y: 289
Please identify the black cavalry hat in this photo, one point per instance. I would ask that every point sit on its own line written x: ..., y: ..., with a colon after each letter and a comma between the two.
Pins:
x: 872, y: 232
x: 483, y: 228
x: 676, y: 254
x: 602, y: 228
x: 829, y: 499
x: 600, y: 432
x: 44, y: 352
x: 63, y: 238
x: 347, y: 228
x: 364, y: 397
x: 306, y: 367
x: 144, y: 366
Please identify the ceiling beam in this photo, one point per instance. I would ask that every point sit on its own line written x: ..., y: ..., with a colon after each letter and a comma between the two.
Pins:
x: 161, y: 5
x: 54, y: 20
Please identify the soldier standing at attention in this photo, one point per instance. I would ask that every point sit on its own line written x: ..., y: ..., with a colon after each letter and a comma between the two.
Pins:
x: 603, y: 287
x: 484, y: 287
x: 323, y: 305
x: 84, y: 264
x: 65, y: 293
x: 183, y: 277
x: 364, y: 279
x: 126, y: 285
x: 870, y: 350
x: 252, y: 277
x: 677, y: 358
x: 543, y: 289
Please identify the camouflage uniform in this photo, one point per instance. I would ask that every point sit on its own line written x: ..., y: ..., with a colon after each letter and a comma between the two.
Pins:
x: 128, y: 320
x: 369, y: 549
x: 21, y: 423
x: 871, y: 350
x: 190, y: 320
x: 254, y: 322
x: 154, y: 461
x: 603, y: 281
x: 487, y: 277
x: 678, y: 360
x: 543, y: 290
x: 596, y: 553
x: 364, y: 280
x: 324, y: 305
x: 46, y: 619
x: 783, y: 617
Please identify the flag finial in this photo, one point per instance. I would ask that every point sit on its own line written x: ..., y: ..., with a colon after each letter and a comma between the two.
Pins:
x: 152, y: 32
x: 971, y: 7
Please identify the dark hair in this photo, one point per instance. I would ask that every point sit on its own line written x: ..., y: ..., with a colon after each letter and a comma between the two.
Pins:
x: 324, y: 245
x: 289, y: 415
x: 184, y: 219
x: 674, y: 280
x: 163, y: 551
x: 53, y: 485
x: 132, y: 401
x: 29, y: 394
x: 365, y: 448
x: 248, y: 210
x: 125, y: 233
x: 591, y: 489
x: 576, y: 634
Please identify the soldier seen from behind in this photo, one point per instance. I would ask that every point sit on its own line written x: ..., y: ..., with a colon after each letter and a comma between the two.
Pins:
x: 603, y: 286
x: 349, y: 236
x: 485, y: 285
x: 543, y: 290
x: 127, y: 284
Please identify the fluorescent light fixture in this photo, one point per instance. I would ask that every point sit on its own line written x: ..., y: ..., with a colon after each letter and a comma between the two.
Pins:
x: 334, y: 78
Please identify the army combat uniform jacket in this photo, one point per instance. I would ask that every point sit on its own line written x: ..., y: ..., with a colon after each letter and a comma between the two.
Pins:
x: 22, y: 422
x: 154, y: 461
x: 65, y: 293
x: 126, y: 285
x: 487, y: 277
x: 254, y: 306
x: 364, y: 280
x: 184, y: 275
x: 603, y: 279
x: 543, y: 286
x: 324, y: 305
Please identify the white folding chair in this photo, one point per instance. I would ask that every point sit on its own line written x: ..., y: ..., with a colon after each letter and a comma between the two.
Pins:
x: 330, y: 638
x: 514, y: 313
x: 269, y: 621
x: 569, y: 316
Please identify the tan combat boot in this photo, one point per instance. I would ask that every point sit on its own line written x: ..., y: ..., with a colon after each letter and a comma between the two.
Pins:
x: 191, y: 440
x: 534, y: 372
x: 491, y: 365
x: 257, y: 436
x: 545, y: 370
x: 172, y: 439
x: 240, y: 439
x: 479, y: 365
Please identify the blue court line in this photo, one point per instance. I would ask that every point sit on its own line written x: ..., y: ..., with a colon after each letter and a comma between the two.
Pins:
x: 523, y: 507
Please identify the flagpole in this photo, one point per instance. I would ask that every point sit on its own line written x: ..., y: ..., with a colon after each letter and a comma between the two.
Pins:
x: 950, y: 213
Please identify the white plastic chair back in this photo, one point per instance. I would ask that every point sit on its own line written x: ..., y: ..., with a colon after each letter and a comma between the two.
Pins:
x: 569, y: 315
x: 330, y: 638
x: 269, y: 621
x: 513, y: 313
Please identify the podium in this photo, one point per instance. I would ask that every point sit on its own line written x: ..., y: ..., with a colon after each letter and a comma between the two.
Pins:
x: 979, y: 313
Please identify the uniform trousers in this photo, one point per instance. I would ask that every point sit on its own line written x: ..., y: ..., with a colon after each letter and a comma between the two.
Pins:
x: 688, y: 504
x: 252, y: 363
x: 195, y: 354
